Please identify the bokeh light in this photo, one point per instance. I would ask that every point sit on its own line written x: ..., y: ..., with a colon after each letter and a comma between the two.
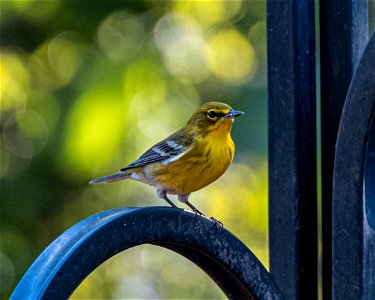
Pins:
x: 14, y: 80
x: 184, y: 48
x: 64, y: 55
x: 25, y: 134
x: 93, y: 133
x: 230, y: 56
x: 209, y: 13
x: 86, y: 88
x: 55, y: 63
x: 31, y: 9
x: 120, y: 36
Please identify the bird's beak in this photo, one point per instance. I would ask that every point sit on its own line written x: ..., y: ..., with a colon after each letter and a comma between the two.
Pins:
x: 234, y: 114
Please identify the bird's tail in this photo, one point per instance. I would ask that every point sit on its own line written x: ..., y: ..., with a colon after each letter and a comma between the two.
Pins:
x: 111, y: 178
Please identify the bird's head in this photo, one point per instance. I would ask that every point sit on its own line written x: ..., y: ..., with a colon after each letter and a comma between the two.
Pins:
x: 213, y: 117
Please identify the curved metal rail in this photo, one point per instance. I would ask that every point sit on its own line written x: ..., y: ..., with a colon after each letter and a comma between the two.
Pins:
x: 354, y: 187
x: 63, y: 265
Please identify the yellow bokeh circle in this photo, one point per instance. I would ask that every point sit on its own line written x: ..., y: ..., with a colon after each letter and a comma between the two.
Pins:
x: 231, y: 57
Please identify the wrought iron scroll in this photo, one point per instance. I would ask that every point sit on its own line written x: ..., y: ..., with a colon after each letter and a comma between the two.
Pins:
x: 353, y: 187
x: 343, y: 37
x: 78, y: 251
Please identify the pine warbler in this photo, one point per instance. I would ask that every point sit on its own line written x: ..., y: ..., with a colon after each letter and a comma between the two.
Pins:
x: 189, y: 159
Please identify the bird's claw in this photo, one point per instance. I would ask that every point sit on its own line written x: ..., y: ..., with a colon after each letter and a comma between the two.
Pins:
x: 217, y: 223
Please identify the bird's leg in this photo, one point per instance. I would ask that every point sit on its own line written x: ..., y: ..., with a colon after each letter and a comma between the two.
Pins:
x: 163, y: 194
x: 185, y: 199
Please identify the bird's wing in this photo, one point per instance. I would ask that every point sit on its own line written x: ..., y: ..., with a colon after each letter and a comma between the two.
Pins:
x: 167, y: 150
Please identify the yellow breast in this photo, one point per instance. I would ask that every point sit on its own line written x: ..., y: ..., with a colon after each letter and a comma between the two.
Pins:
x: 206, y: 161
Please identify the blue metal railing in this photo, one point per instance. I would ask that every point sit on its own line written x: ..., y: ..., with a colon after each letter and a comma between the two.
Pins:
x: 78, y: 251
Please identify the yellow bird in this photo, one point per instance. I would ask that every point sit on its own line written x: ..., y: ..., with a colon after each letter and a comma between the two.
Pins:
x: 189, y: 159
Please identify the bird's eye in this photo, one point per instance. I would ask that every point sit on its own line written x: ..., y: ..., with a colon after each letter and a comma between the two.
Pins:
x: 212, y: 114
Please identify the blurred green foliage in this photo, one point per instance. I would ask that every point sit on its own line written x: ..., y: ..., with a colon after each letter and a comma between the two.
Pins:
x: 86, y: 87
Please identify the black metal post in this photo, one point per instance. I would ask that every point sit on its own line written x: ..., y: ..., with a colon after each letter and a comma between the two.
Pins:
x: 343, y: 36
x: 292, y: 147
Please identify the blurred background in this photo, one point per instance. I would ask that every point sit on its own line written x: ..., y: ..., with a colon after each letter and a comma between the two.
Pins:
x: 86, y: 87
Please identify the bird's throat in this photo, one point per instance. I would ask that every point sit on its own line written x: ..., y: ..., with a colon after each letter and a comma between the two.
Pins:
x: 221, y: 130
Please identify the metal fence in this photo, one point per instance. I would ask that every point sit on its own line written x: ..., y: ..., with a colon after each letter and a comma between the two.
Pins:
x: 347, y: 81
